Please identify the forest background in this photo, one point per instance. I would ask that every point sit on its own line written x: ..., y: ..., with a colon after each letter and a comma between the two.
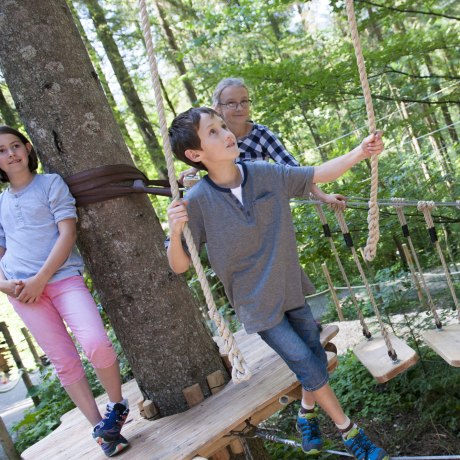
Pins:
x: 298, y: 61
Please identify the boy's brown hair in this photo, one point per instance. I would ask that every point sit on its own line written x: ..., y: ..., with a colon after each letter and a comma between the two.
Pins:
x: 183, y: 133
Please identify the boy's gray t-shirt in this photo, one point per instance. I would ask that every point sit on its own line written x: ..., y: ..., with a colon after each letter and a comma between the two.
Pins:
x: 252, y: 247
x: 28, y: 227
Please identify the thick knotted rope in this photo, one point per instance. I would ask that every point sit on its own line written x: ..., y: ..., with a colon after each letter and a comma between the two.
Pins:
x: 240, y: 370
x: 346, y: 233
x: 373, y: 215
x: 328, y: 235
x: 398, y: 205
x: 426, y: 207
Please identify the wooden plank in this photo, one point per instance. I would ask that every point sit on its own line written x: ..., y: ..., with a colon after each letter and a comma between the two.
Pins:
x: 193, y: 395
x: 373, y: 354
x: 179, y: 436
x: 199, y: 430
x: 445, y: 342
x: 328, y: 333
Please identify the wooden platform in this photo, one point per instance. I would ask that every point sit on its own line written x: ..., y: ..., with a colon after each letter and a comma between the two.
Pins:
x: 373, y: 355
x: 198, y: 431
x: 445, y: 342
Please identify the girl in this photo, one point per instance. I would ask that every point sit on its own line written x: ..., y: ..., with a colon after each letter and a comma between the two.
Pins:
x: 41, y: 272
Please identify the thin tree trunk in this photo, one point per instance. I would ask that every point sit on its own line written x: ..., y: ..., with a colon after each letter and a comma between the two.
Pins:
x: 61, y: 102
x: 176, y: 61
x: 105, y: 85
x: 8, y: 114
x: 444, y: 108
x: 127, y: 86
x: 315, y: 135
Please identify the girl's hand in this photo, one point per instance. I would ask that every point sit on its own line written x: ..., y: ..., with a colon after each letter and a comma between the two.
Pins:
x: 177, y: 217
x: 372, y: 145
x: 32, y: 289
x: 11, y: 288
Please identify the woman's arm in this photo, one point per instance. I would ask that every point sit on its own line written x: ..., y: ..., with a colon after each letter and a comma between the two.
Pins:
x: 33, y: 286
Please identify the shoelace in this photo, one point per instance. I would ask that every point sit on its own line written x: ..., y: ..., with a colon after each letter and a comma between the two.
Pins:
x: 362, y: 444
x: 309, y: 427
x: 116, y: 420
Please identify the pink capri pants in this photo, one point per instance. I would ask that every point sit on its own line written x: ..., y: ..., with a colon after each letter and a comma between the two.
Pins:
x: 68, y: 300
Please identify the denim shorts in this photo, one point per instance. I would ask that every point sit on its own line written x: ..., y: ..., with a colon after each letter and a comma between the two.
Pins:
x: 296, y: 340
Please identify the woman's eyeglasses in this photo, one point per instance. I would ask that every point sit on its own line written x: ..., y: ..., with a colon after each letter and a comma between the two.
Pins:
x: 234, y: 105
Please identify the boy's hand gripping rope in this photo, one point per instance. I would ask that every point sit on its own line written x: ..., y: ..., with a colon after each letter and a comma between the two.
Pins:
x: 240, y: 370
x: 373, y: 216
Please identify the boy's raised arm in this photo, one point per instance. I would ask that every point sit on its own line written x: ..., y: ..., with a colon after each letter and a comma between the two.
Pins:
x: 179, y: 260
x: 333, y: 169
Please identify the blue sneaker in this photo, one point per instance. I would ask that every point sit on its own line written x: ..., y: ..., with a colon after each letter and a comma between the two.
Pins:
x: 308, y: 425
x: 108, y: 429
x: 362, y: 448
x: 113, y: 447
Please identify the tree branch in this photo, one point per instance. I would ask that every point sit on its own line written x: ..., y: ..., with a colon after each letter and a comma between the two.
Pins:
x: 391, y: 70
x: 404, y: 10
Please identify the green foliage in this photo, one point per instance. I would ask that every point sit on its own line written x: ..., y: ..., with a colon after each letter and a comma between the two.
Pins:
x: 431, y: 388
x: 429, y: 391
x: 40, y: 421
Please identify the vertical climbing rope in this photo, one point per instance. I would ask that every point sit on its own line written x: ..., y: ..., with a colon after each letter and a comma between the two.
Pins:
x: 327, y: 234
x: 398, y: 205
x: 349, y: 242
x: 426, y: 207
x: 370, y: 249
x: 240, y: 370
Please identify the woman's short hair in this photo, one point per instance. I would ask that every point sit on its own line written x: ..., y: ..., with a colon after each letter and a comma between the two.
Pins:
x: 223, y: 84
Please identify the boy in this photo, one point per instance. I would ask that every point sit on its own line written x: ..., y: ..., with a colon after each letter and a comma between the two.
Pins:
x: 242, y: 213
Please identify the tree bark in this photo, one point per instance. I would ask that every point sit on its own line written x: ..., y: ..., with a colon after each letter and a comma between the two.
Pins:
x: 127, y: 86
x: 65, y: 112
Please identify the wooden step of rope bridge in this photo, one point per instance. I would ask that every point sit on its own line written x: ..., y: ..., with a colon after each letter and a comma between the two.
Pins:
x: 200, y: 431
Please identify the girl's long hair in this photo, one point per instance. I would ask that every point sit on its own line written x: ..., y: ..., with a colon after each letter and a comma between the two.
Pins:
x: 33, y: 159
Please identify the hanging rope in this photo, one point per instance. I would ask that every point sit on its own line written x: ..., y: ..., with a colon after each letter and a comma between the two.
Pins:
x: 349, y: 242
x: 373, y: 216
x: 240, y: 370
x: 426, y: 207
x: 405, y: 230
x: 327, y: 234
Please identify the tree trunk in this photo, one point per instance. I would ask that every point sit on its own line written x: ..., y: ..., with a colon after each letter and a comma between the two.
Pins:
x: 444, y: 107
x: 65, y: 112
x: 127, y: 86
x: 177, y: 61
x: 8, y: 114
x: 315, y: 135
x: 105, y: 85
